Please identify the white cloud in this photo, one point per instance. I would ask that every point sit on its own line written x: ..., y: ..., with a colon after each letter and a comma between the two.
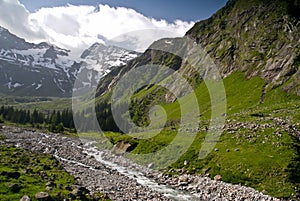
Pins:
x: 14, y: 16
x: 77, y: 27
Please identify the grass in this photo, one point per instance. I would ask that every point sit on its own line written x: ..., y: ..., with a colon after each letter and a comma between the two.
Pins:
x: 39, y: 103
x: 35, y: 170
x: 31, y: 182
x: 263, y: 158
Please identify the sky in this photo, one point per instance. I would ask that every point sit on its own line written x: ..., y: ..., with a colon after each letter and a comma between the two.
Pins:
x: 187, y: 10
x: 77, y: 24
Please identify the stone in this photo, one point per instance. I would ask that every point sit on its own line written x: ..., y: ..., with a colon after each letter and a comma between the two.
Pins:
x: 50, y: 184
x: 48, y: 188
x: 25, y: 198
x: 43, y: 174
x: 79, y: 190
x: 218, y: 178
x: 183, y: 178
x: 42, y: 196
x: 15, y: 188
x: 151, y: 165
x: 185, y: 163
x: 76, y: 192
x: 121, y: 148
x: 118, y: 186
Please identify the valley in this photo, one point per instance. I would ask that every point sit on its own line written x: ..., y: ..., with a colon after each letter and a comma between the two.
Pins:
x: 118, y: 178
x: 211, y: 115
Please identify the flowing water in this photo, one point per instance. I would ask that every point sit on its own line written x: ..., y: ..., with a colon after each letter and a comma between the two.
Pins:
x: 140, y: 178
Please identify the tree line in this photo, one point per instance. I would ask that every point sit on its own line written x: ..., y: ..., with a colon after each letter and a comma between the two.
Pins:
x: 58, y: 121
x: 55, y: 121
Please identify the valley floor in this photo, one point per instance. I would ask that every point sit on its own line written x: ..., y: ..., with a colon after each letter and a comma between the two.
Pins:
x: 120, y: 179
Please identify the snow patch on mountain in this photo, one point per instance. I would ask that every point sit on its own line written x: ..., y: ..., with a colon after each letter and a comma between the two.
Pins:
x: 30, y: 67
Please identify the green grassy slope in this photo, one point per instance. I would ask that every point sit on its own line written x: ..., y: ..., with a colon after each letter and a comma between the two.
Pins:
x: 257, y: 147
x: 35, y: 171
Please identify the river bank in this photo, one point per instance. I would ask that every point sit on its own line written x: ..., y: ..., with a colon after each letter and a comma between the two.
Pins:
x: 118, y: 177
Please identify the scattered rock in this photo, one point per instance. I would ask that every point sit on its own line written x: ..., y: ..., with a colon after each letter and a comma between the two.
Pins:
x: 121, y: 148
x: 185, y: 163
x: 76, y: 192
x: 115, y: 185
x: 50, y: 184
x: 48, y: 188
x: 218, y: 178
x: 25, y: 198
x: 151, y: 165
x: 79, y: 191
x: 42, y: 196
x: 183, y: 178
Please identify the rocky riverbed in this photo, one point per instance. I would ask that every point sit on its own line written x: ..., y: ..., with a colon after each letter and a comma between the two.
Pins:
x: 118, y: 177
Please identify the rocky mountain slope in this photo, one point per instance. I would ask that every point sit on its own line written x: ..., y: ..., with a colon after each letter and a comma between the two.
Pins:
x: 259, y: 37
x: 28, y: 69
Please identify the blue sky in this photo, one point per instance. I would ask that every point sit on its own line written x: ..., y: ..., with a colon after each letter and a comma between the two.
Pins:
x: 73, y: 25
x: 160, y: 9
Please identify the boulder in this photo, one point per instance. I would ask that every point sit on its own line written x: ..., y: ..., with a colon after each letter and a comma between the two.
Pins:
x: 185, y: 163
x: 79, y: 191
x: 76, y: 192
x: 50, y: 184
x: 151, y: 165
x: 25, y: 198
x: 183, y: 178
x: 218, y: 178
x: 42, y: 196
x: 122, y: 147
x: 48, y: 188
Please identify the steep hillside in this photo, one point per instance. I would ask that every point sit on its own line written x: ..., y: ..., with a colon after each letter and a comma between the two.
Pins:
x: 255, y: 45
x: 259, y: 37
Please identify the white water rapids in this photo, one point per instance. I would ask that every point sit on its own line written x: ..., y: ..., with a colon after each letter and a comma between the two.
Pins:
x: 140, y: 178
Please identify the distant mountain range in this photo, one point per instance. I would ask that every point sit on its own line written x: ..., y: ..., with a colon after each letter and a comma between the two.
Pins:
x: 260, y: 38
x: 28, y: 69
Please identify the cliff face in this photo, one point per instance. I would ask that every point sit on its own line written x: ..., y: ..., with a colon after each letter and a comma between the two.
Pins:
x: 259, y: 37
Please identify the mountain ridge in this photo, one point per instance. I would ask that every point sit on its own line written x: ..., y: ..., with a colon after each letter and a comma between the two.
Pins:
x: 258, y: 37
x: 29, y: 69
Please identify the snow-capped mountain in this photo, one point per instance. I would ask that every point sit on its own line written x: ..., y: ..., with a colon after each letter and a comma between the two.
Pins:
x: 28, y: 69
x: 102, y: 59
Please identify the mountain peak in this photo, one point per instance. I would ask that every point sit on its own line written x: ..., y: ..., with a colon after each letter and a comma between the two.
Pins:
x: 105, y: 57
x: 258, y: 37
